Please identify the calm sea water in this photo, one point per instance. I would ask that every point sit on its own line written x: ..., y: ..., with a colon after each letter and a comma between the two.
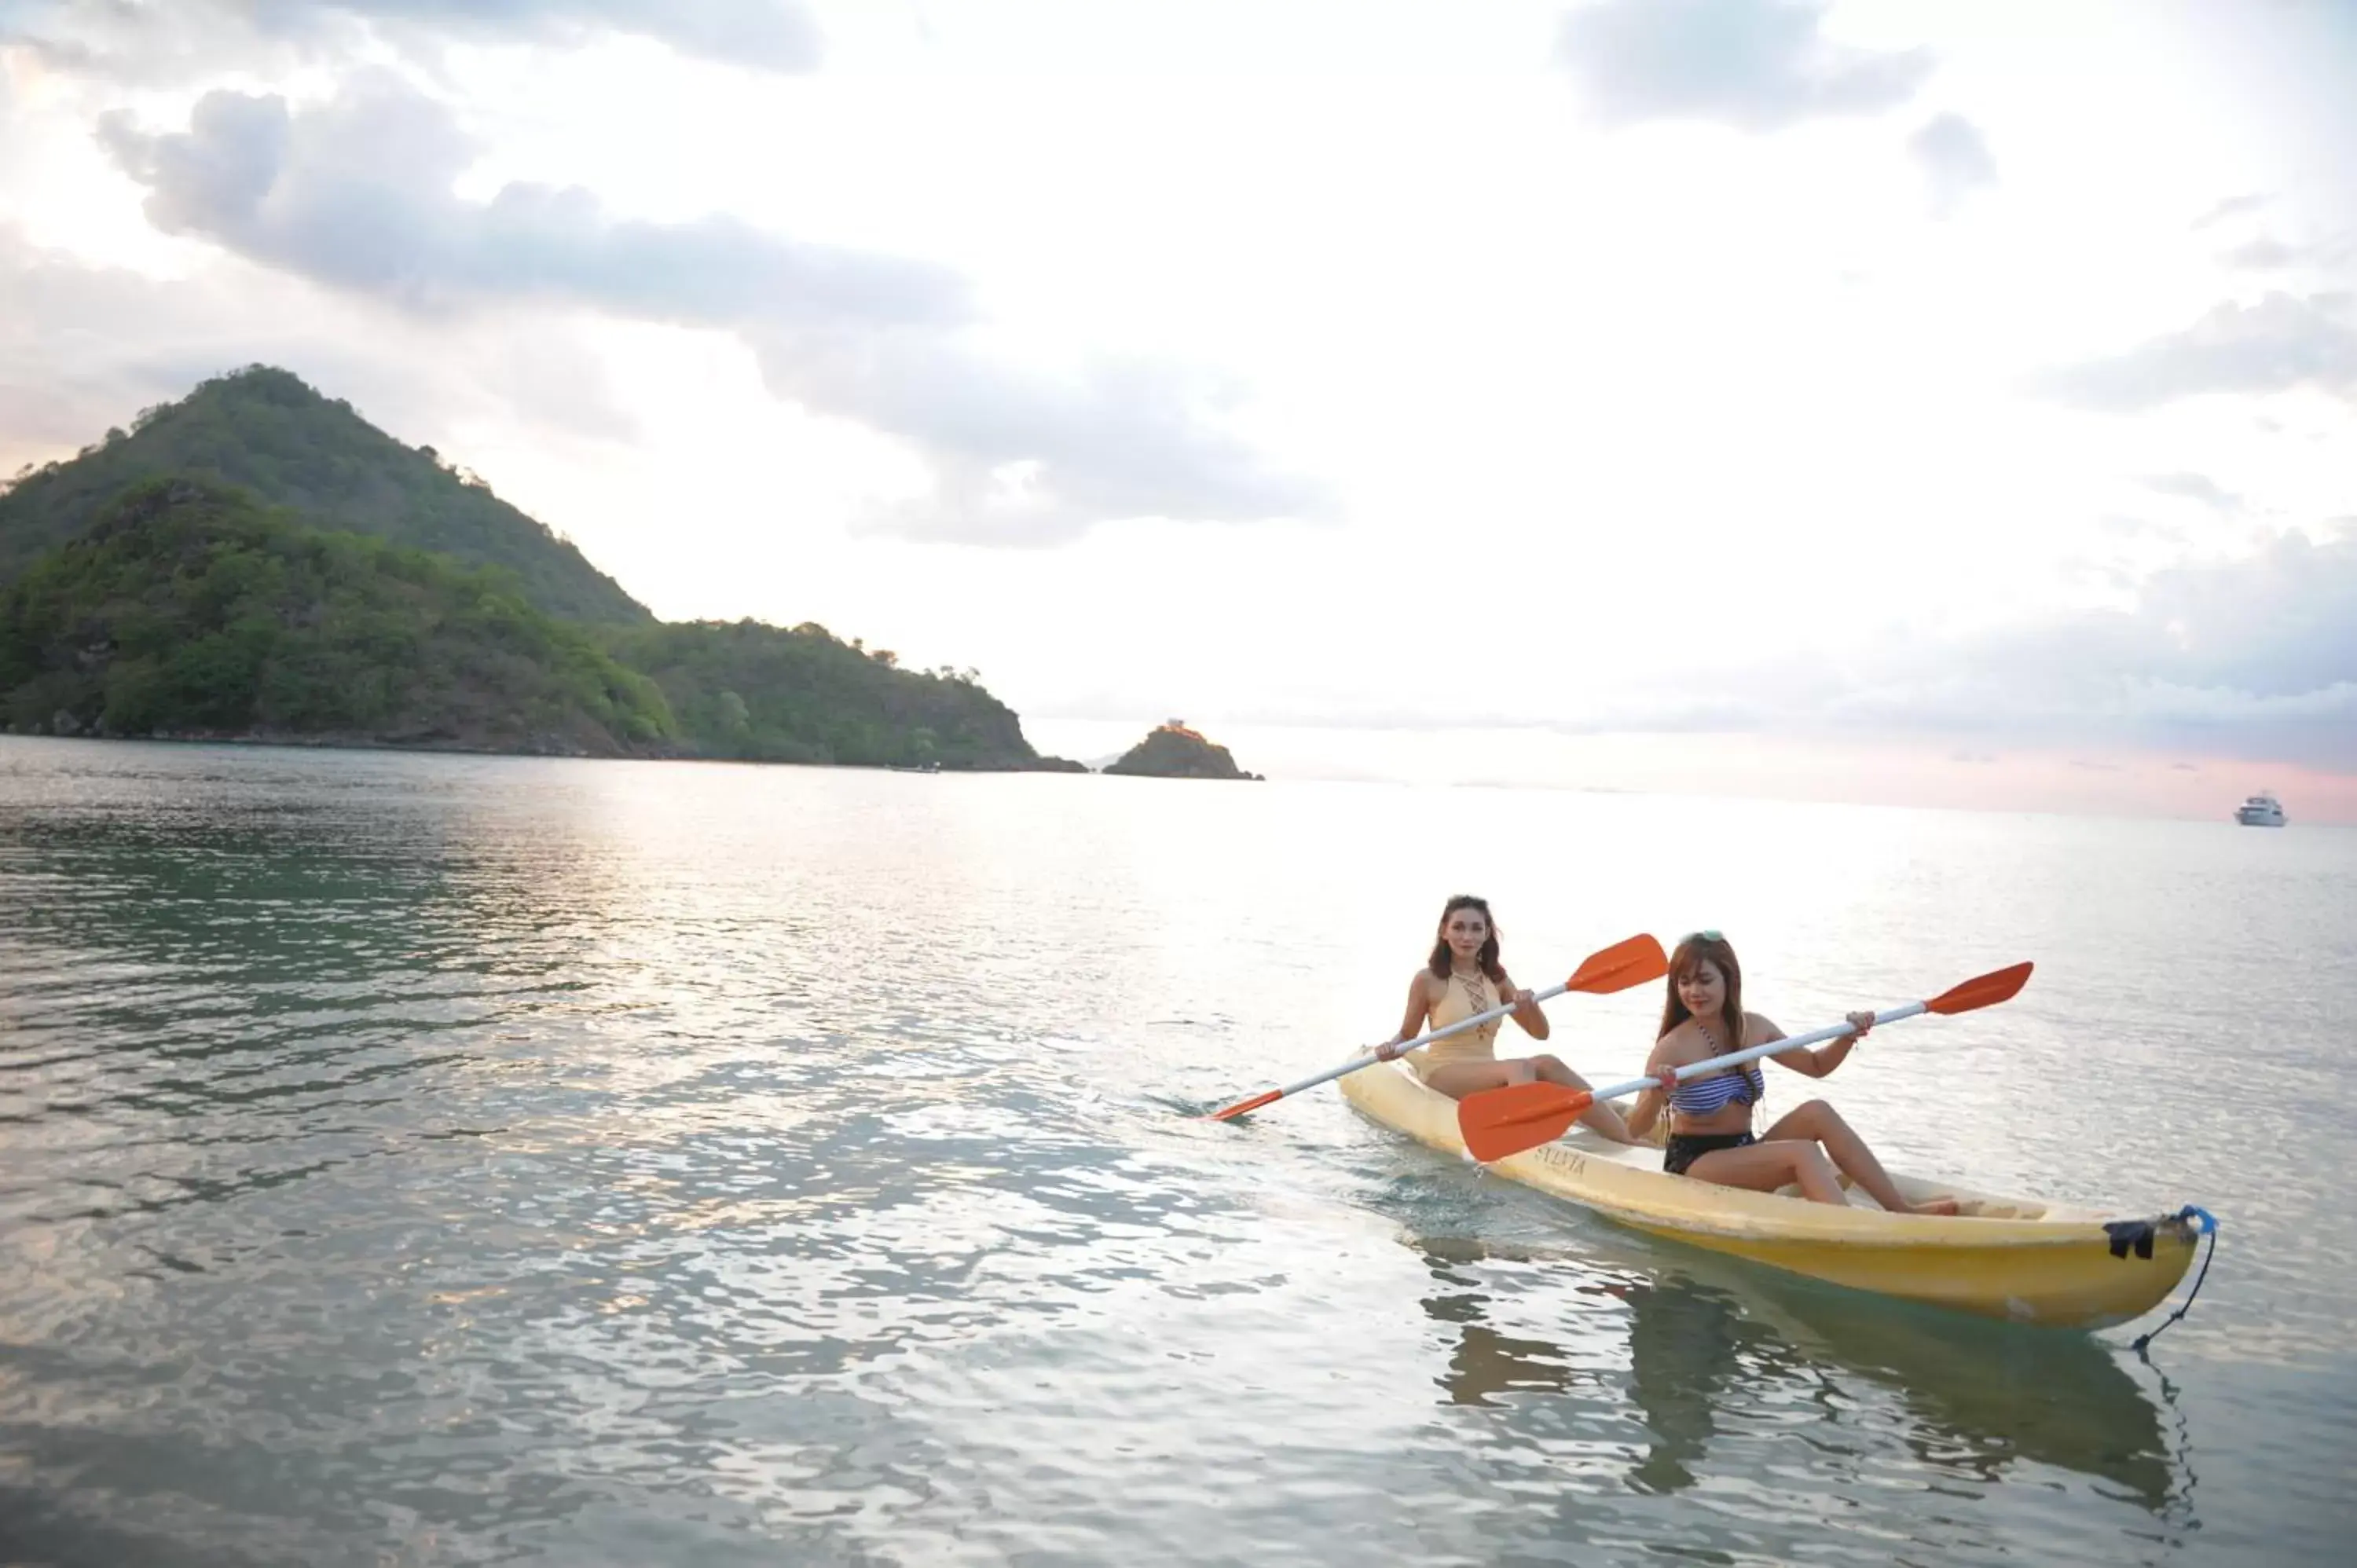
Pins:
x: 414, y: 1159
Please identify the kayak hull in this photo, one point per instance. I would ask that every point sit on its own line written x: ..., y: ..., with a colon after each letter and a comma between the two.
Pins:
x: 2022, y: 1260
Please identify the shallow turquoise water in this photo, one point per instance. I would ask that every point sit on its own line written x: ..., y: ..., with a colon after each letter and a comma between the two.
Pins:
x: 417, y: 1159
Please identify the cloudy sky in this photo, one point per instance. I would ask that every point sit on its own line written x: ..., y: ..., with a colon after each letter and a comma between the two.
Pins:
x: 1909, y: 400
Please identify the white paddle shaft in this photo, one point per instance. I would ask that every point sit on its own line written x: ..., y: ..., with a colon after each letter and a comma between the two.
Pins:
x: 1393, y: 1050
x: 1830, y: 1031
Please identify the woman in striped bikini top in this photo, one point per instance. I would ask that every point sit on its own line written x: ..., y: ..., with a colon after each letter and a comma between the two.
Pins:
x: 1710, y: 1136
x: 1698, y: 1097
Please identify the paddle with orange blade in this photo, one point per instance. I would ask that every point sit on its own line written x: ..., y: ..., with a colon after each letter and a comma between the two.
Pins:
x: 1501, y: 1121
x: 1623, y: 964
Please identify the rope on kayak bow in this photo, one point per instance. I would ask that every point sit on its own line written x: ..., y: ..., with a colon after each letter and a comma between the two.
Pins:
x: 2208, y: 1224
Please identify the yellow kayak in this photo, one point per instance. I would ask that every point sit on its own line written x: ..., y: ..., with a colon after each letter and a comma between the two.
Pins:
x: 2013, y: 1258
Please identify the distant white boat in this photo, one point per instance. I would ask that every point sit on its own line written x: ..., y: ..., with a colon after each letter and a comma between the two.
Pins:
x: 2261, y: 811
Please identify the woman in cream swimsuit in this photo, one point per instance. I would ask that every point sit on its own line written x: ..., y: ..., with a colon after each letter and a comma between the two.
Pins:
x: 1464, y: 977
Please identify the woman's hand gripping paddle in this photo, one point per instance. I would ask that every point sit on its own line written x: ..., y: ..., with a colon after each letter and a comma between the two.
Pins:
x: 1623, y: 964
x: 1501, y: 1121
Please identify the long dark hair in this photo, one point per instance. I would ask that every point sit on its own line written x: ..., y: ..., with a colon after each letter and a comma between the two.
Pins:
x: 1443, y: 956
x: 1688, y: 957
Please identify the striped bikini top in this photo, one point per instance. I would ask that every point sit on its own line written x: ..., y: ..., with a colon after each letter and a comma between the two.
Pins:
x: 1745, y: 1084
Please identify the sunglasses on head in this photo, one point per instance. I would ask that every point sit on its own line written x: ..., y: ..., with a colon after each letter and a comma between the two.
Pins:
x: 1703, y: 936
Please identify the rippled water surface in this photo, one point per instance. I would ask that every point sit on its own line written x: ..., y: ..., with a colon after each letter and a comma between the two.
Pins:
x: 416, y: 1159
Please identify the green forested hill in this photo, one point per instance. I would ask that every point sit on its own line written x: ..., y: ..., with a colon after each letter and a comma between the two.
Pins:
x: 264, y: 430
x: 255, y: 561
x: 761, y: 693
x: 188, y: 609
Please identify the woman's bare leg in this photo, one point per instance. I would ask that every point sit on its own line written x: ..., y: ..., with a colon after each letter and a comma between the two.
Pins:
x: 1603, y: 1116
x: 1458, y: 1079
x: 1764, y: 1167
x: 1820, y: 1121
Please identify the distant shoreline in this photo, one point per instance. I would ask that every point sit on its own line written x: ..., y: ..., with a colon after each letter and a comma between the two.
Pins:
x: 363, y: 743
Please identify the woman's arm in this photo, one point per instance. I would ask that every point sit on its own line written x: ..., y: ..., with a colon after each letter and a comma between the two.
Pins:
x: 1651, y: 1102
x: 1527, y: 1013
x: 1820, y: 1061
x: 1419, y: 1004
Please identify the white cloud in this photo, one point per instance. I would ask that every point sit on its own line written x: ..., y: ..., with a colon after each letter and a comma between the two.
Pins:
x: 2255, y: 656
x: 2233, y: 207
x: 2284, y: 342
x: 1758, y: 65
x: 2263, y: 254
x: 772, y: 35
x: 87, y: 346
x: 2198, y: 487
x: 1955, y: 160
x: 356, y: 193
x: 174, y: 41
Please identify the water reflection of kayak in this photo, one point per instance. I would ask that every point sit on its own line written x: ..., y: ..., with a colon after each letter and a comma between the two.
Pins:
x: 1483, y: 1364
x: 1708, y: 1338
x: 1983, y: 1400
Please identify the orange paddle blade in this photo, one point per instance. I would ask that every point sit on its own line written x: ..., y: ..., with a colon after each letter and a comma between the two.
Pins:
x: 1240, y: 1106
x: 1501, y: 1121
x: 1620, y: 966
x: 1999, y: 985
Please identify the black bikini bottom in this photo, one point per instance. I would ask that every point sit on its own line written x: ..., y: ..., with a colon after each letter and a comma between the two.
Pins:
x: 1683, y: 1149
